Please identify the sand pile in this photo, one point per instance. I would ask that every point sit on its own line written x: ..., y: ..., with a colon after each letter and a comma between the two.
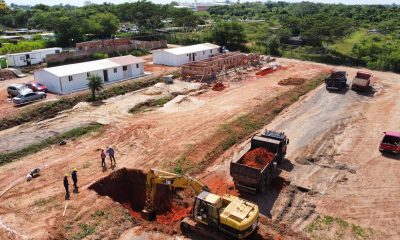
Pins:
x: 219, y: 86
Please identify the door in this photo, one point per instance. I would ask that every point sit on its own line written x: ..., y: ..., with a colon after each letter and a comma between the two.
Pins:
x: 105, y: 75
x: 194, y: 56
x: 28, y: 59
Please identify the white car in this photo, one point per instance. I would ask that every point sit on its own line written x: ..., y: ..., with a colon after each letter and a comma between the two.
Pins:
x: 28, y: 97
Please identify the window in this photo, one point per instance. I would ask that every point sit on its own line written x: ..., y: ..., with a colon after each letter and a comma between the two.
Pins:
x: 115, y: 70
x: 137, y: 65
x: 70, y: 78
x: 124, y: 68
x: 210, y: 51
x: 204, y: 52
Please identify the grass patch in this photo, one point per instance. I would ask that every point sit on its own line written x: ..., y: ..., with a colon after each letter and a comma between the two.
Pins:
x: 150, y: 104
x: 323, y: 227
x: 43, y: 201
x: 71, y: 134
x: 346, y: 45
x: 242, y: 127
x: 86, y: 230
x: 51, y: 109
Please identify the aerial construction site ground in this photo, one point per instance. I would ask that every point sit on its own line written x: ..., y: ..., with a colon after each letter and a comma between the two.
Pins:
x: 333, y: 184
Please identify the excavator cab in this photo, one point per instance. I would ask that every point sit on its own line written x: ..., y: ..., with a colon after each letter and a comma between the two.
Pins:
x: 206, y: 208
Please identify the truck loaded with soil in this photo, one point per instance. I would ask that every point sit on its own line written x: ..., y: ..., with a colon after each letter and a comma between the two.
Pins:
x: 253, y: 170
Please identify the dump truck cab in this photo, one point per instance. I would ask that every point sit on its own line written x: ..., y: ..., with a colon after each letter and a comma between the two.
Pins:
x: 390, y: 142
x: 279, y: 141
x: 337, y: 81
x: 230, y: 214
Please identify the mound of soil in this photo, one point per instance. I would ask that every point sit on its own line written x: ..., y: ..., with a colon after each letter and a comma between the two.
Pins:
x: 292, y: 81
x: 258, y: 158
x: 219, y: 86
x: 176, y: 213
x: 6, y: 74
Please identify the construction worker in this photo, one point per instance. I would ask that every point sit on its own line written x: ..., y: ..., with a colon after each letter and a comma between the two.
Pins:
x: 103, y: 158
x: 110, y: 152
x: 74, y: 176
x: 66, y: 186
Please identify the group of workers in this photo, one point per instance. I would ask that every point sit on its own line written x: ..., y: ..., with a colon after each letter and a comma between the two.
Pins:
x: 74, y: 176
x: 74, y: 173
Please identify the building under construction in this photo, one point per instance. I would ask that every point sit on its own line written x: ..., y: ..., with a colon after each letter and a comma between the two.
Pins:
x: 208, y: 69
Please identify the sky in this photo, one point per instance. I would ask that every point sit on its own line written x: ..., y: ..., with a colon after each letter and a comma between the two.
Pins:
x: 80, y: 2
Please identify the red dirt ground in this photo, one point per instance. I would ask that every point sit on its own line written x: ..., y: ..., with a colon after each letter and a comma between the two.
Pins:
x: 258, y: 158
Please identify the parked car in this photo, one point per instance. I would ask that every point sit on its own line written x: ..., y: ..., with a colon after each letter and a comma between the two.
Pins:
x: 16, y: 89
x: 390, y: 142
x: 37, y: 87
x: 28, y: 97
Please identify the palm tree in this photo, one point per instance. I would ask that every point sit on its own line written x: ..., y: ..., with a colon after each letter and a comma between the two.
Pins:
x: 95, y: 84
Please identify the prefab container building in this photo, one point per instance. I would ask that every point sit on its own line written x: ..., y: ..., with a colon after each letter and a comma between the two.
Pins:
x: 73, y: 77
x: 30, y: 58
x: 181, y: 55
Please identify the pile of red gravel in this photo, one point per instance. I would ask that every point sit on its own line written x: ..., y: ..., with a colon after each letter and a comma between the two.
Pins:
x: 258, y: 158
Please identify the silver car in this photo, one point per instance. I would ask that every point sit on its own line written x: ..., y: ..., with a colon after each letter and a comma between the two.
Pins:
x: 29, y: 97
x: 17, y: 89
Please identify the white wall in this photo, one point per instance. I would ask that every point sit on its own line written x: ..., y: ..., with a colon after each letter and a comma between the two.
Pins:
x: 37, y: 56
x: 51, y: 81
x: 169, y: 59
x: 79, y: 81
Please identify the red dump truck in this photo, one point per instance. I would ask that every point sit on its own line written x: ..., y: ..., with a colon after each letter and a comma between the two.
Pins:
x: 254, y: 167
x: 361, y: 81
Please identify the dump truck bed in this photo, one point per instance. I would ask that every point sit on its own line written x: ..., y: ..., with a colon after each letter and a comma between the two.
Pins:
x: 361, y: 81
x: 248, y: 177
x: 336, y: 81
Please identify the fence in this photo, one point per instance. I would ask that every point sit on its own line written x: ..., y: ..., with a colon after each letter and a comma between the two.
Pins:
x: 53, y: 59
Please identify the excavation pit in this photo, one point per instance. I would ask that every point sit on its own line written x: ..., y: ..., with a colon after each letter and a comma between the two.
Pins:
x: 128, y: 187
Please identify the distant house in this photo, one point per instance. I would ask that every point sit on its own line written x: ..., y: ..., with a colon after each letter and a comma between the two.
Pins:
x: 373, y: 31
x: 30, y: 58
x: 73, y: 77
x: 181, y: 55
x: 297, y: 41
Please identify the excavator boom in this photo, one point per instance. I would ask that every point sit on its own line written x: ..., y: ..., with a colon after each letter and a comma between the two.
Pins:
x: 155, y: 177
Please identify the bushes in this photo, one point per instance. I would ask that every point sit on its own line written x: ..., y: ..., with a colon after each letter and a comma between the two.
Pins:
x: 22, y: 46
x: 98, y: 55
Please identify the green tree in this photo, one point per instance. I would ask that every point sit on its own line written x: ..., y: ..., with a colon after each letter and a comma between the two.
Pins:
x: 3, y: 7
x: 69, y: 30
x: 103, y: 24
x: 272, y: 44
x: 95, y: 84
x: 229, y: 34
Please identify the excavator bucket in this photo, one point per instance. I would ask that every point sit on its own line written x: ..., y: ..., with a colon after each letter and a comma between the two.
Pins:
x: 148, y: 215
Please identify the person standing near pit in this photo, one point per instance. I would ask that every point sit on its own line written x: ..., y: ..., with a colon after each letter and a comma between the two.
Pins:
x: 66, y: 186
x: 103, y: 158
x: 74, y: 176
x: 111, y: 153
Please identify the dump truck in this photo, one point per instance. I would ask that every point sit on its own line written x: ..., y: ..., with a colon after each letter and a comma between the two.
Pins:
x: 213, y: 216
x: 255, y: 179
x: 361, y: 81
x: 336, y: 81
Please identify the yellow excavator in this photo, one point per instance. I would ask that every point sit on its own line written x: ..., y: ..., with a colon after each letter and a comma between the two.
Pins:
x: 213, y: 216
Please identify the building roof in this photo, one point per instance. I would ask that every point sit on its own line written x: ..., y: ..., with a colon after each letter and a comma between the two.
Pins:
x: 192, y: 48
x: 72, y: 69
x: 34, y: 51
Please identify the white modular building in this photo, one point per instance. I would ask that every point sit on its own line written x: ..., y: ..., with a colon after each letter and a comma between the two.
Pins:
x: 73, y: 77
x: 181, y: 55
x: 30, y: 58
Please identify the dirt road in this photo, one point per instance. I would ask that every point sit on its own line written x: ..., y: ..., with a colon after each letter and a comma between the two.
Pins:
x: 334, y: 159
